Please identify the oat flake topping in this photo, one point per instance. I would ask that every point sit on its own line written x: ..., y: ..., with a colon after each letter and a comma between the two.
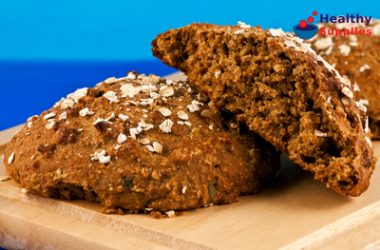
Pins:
x: 165, y: 111
x: 49, y: 116
x: 101, y: 156
x: 166, y: 126
x: 11, y: 158
x: 86, y: 112
x: 111, y: 96
x: 78, y: 94
x: 121, y: 138
x: 166, y: 91
x: 123, y: 117
x: 182, y: 115
x: 62, y: 116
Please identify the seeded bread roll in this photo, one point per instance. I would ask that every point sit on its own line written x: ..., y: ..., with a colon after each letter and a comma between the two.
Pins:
x: 139, y: 143
x: 358, y: 57
x: 282, y: 90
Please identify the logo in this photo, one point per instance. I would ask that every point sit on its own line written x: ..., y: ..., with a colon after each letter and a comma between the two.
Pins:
x: 306, y: 29
x: 343, y: 25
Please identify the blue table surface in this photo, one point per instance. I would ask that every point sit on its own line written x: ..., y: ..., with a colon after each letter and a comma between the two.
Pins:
x: 28, y: 88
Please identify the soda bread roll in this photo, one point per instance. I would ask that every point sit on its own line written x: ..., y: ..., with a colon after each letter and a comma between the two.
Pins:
x: 279, y: 88
x: 139, y: 143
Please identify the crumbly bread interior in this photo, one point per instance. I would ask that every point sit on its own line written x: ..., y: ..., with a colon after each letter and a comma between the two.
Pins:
x: 281, y: 90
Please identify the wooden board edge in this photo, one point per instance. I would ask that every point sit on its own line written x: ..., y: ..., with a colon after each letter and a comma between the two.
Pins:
x: 19, y: 231
x: 337, y: 228
x: 177, y: 76
x: 111, y: 222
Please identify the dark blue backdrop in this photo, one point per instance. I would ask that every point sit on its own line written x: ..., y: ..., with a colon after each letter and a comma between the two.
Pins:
x: 50, y: 48
x: 29, y: 88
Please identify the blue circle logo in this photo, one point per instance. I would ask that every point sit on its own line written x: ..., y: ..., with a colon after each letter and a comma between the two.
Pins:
x: 306, y: 29
x: 305, y: 33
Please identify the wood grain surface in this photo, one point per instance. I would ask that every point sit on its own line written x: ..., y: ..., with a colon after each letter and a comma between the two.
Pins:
x: 294, y: 212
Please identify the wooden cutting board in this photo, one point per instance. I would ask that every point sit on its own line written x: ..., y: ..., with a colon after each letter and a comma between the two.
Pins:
x: 295, y: 212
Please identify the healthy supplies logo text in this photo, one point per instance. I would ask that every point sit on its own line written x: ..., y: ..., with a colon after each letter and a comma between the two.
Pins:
x: 349, y: 24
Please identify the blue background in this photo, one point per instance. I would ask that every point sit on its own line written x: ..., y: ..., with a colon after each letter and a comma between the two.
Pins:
x: 50, y: 48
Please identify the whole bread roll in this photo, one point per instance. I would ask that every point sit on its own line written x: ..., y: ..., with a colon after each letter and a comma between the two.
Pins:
x: 139, y: 144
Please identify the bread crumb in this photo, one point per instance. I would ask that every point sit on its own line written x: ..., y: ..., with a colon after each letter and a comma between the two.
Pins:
x: 170, y: 213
